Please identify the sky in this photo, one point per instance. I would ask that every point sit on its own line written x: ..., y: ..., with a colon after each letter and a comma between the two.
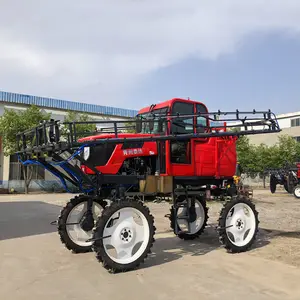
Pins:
x: 132, y: 53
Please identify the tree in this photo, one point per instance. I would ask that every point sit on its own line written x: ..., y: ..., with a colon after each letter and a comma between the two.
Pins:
x: 288, y: 150
x: 246, y: 155
x: 81, y: 129
x: 255, y: 159
x: 13, y: 122
x: 130, y: 127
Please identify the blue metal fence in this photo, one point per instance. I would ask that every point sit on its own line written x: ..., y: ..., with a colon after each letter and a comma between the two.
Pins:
x: 65, y: 105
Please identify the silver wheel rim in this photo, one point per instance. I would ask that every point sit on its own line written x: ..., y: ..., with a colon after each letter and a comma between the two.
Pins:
x: 197, y: 224
x: 297, y: 192
x: 125, y: 234
x: 240, y: 224
x: 74, y: 231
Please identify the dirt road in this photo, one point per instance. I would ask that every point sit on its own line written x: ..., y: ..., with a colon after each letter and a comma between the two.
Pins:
x: 35, y: 265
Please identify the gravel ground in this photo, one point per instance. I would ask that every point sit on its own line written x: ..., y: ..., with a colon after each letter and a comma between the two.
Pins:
x: 279, y: 216
x: 279, y: 228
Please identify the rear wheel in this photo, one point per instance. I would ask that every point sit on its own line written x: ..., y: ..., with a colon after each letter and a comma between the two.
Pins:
x: 197, y: 227
x: 291, y: 182
x: 74, y: 228
x: 286, y: 187
x: 273, y: 183
x: 124, y: 235
x: 238, y: 225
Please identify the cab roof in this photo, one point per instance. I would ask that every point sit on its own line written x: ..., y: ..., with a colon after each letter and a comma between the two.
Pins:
x: 168, y: 103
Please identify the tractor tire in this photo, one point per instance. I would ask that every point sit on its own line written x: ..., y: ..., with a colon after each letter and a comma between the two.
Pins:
x: 201, y: 213
x: 123, y: 236
x: 286, y: 187
x: 296, y: 191
x: 70, y: 242
x: 273, y: 183
x: 240, y: 224
x: 291, y: 183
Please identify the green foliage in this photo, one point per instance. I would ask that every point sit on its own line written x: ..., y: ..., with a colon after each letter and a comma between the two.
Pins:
x: 246, y: 155
x: 255, y: 159
x: 81, y: 129
x: 13, y: 122
x: 130, y: 127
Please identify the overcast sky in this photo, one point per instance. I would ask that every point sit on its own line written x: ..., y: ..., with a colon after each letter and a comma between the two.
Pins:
x: 131, y: 53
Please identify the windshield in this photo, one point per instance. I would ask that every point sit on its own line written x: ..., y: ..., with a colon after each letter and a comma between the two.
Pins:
x: 162, y: 112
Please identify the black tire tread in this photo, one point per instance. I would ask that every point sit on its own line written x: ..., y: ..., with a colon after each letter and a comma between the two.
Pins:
x: 297, y: 186
x: 285, y: 185
x: 185, y: 236
x: 98, y: 247
x: 61, y: 227
x: 224, y: 240
x: 273, y: 183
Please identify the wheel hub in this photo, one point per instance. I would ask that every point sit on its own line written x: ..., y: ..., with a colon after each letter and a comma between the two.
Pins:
x: 240, y: 224
x: 126, y: 235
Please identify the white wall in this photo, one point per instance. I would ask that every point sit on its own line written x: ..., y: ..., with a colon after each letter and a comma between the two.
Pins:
x: 284, y: 123
x: 284, y: 120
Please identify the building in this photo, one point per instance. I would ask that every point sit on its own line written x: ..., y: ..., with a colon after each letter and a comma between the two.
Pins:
x: 289, y: 124
x: 10, y: 168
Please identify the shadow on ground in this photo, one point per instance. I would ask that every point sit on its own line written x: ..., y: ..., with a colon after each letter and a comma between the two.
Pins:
x: 272, y: 233
x: 169, y: 249
x: 26, y: 218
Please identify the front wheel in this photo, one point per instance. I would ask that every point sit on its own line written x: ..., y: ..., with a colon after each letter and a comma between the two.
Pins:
x: 74, y: 228
x: 124, y: 235
x: 296, y: 191
x: 238, y: 225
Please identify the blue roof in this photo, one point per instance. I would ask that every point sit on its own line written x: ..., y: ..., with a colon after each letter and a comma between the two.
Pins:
x: 65, y: 105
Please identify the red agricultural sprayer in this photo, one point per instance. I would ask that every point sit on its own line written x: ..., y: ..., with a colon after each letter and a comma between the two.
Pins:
x: 174, y: 149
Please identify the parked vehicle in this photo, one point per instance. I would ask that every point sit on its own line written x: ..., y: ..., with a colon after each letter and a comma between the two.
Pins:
x: 177, y: 148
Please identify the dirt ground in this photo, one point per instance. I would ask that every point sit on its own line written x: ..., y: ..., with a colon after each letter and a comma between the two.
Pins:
x: 35, y: 265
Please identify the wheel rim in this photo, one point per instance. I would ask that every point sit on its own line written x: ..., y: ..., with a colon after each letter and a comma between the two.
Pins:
x: 124, y: 234
x: 240, y: 224
x: 297, y: 192
x: 73, y: 228
x: 197, y: 224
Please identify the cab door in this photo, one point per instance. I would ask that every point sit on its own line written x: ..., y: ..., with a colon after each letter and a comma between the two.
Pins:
x: 205, y: 148
x: 182, y: 152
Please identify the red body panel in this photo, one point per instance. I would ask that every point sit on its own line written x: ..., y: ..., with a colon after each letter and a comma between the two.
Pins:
x: 119, y: 155
x: 210, y: 157
x: 112, y: 135
x: 298, y: 171
x: 168, y: 103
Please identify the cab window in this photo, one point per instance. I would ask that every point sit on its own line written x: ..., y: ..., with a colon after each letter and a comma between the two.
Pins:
x: 201, y: 121
x: 162, y: 112
x: 182, y: 125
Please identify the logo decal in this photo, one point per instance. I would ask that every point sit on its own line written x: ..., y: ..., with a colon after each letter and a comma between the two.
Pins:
x: 133, y: 151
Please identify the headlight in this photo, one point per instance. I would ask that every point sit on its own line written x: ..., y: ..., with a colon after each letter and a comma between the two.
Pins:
x: 86, y: 153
